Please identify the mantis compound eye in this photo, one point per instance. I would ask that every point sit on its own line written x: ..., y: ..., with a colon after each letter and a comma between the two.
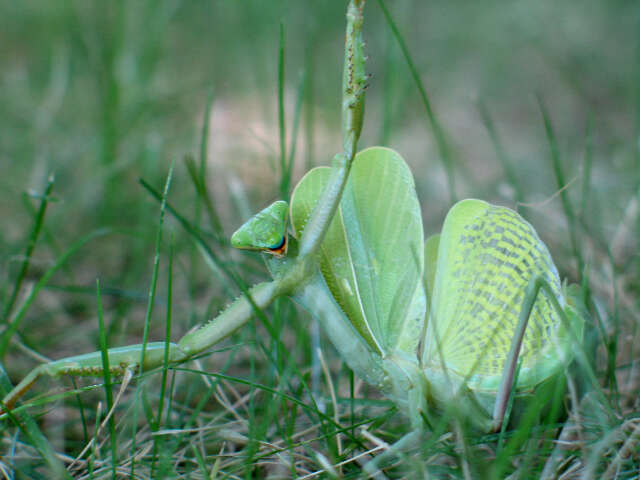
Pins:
x: 279, y: 250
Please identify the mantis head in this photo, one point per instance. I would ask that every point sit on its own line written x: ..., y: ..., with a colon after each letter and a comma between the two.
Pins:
x: 266, y: 231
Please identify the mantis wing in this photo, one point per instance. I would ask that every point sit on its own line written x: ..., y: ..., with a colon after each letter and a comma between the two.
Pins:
x: 372, y: 255
x: 485, y: 259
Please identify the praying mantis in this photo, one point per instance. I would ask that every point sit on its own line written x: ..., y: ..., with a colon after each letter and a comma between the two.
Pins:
x: 428, y: 323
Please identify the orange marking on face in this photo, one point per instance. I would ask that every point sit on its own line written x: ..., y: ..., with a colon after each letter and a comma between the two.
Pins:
x: 280, y: 251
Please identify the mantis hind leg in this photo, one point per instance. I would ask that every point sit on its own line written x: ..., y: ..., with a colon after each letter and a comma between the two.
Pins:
x: 536, y: 286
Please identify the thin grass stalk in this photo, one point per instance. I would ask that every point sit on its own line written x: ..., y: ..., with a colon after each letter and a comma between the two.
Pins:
x: 284, y: 184
x: 106, y: 373
x: 167, y: 334
x: 31, y: 245
x: 561, y: 183
x: 612, y: 335
x: 47, y: 234
x: 388, y: 97
x: 210, y: 253
x: 156, y: 265
x: 29, y: 428
x: 586, y: 171
x: 14, y: 323
x: 150, y: 305
x: 158, y: 441
x: 438, y: 132
x: 204, y: 196
x: 509, y: 171
x: 201, y: 183
x: 636, y: 84
x: 83, y: 417
x: 296, y: 125
x: 309, y: 106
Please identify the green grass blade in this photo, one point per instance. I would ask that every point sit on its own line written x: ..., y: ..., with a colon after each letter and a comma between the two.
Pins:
x: 61, y: 261
x: 562, y: 185
x: 309, y: 103
x: 500, y: 152
x: 296, y: 124
x: 81, y: 409
x: 612, y: 337
x: 438, y: 132
x: 158, y: 441
x: 203, y: 195
x: 31, y: 245
x: 226, y: 268
x: 167, y: 336
x: 284, y: 182
x: 295, y: 400
x: 46, y: 233
x: 204, y: 150
x: 156, y: 264
x: 636, y: 84
x: 586, y: 171
x: 29, y: 427
x: 199, y: 175
x: 202, y: 464
x: 151, y: 300
x: 106, y: 372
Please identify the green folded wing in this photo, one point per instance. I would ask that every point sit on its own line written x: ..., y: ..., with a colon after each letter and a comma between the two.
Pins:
x: 485, y: 259
x: 372, y: 255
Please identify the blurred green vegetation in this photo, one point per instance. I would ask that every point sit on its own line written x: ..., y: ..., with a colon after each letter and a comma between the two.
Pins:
x: 101, y: 94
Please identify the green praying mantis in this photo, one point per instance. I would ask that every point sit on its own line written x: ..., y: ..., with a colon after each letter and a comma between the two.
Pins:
x: 449, y: 320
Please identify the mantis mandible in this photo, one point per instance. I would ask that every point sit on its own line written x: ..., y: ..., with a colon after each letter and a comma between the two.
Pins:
x: 426, y: 322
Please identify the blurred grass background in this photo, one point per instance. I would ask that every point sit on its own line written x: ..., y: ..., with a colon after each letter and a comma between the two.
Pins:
x: 103, y: 93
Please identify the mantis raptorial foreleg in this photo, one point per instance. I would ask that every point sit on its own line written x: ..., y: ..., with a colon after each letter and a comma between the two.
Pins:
x: 292, y: 275
x: 90, y: 364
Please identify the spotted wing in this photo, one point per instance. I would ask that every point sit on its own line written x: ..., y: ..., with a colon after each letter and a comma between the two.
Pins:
x: 486, y: 257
